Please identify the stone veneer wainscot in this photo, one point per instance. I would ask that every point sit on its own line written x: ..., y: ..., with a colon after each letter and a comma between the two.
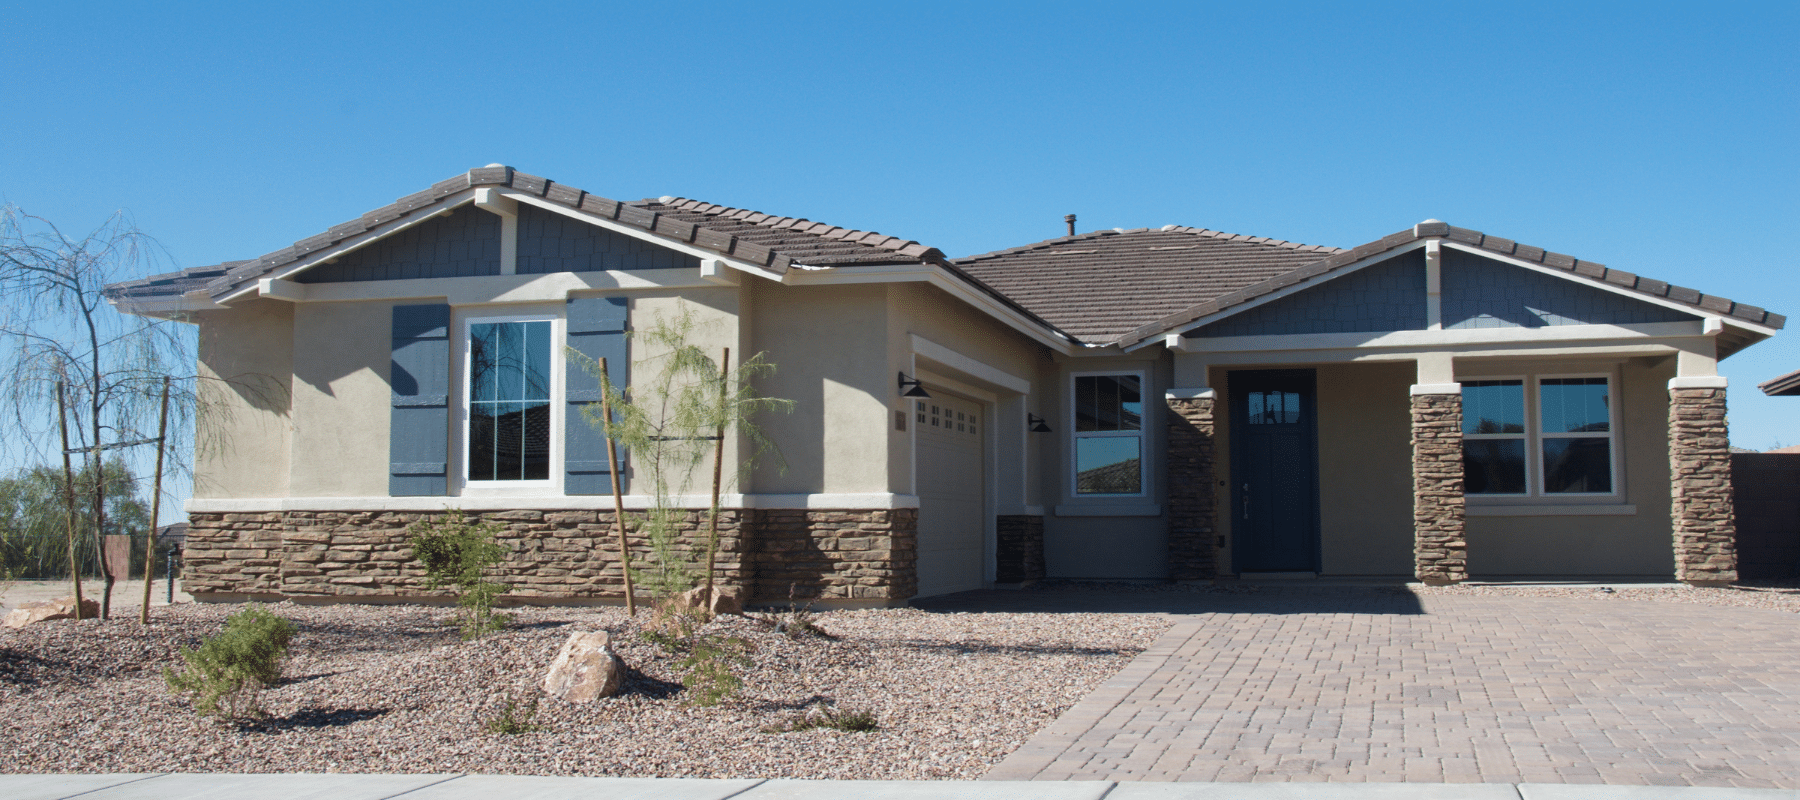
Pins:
x: 1700, y: 484
x: 1440, y: 544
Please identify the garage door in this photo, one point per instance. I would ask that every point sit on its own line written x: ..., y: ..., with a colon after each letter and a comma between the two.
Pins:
x: 952, y: 518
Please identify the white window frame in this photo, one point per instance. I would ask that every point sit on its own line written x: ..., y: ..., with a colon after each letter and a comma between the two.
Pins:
x: 551, y: 485
x: 1536, y: 491
x: 1141, y: 434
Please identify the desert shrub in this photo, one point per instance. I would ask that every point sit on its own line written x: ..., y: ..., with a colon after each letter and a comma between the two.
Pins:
x: 458, y: 553
x: 850, y: 720
x: 796, y: 622
x: 708, y: 661
x: 514, y: 718
x: 226, y: 674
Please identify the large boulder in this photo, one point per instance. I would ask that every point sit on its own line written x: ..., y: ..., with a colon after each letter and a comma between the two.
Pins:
x: 586, y: 668
x: 726, y: 600
x: 44, y: 611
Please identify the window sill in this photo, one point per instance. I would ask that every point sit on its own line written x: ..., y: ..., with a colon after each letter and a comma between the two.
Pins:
x: 1550, y: 511
x: 1110, y: 510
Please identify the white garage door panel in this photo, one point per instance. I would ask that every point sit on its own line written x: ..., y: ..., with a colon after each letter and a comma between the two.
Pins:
x: 952, y: 493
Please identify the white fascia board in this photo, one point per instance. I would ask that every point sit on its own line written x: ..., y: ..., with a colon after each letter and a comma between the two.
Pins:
x: 1455, y: 337
x: 1271, y: 297
x: 939, y: 278
x: 1610, y: 287
x: 201, y: 505
x: 925, y: 348
x: 420, y: 216
x: 1614, y: 349
x: 713, y: 270
x: 546, y: 287
x: 165, y: 306
x: 639, y: 233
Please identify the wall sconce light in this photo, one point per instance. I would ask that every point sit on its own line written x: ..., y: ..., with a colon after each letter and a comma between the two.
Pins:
x: 1035, y: 424
x: 911, y: 387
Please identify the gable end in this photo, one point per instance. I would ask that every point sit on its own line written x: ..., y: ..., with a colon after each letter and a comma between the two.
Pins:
x: 1481, y: 292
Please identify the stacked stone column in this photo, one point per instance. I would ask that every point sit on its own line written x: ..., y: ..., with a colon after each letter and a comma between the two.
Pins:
x: 1193, y: 521
x: 1440, y: 544
x: 1702, y: 518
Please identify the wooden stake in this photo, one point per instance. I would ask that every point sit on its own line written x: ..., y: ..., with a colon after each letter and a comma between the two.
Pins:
x: 712, y: 539
x: 612, y: 456
x: 62, y: 425
x: 162, y: 430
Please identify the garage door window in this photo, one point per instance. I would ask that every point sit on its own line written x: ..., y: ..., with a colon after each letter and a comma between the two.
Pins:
x: 1109, y: 434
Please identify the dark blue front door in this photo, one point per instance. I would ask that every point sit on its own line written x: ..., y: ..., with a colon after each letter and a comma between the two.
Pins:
x: 1274, y: 471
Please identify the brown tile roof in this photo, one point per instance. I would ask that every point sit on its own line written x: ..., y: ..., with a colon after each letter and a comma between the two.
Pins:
x: 1786, y: 385
x: 765, y: 240
x: 1102, y: 285
x: 1578, y: 270
x: 806, y: 242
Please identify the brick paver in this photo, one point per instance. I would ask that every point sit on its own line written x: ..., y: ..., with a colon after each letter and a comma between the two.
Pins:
x: 1380, y: 685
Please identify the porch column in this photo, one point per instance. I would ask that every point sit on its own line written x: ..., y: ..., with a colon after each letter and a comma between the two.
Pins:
x: 1440, y: 547
x: 1193, y: 522
x: 1703, y: 522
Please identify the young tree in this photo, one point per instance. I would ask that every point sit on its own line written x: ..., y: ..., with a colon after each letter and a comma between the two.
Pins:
x: 57, y: 328
x: 672, y: 419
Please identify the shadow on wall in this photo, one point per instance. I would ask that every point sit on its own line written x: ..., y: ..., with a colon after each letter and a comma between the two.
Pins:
x: 1104, y: 598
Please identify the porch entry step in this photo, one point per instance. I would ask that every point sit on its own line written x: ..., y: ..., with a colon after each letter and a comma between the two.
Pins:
x: 1278, y: 576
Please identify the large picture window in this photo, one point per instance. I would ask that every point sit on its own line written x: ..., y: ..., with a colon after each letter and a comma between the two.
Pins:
x: 508, y: 400
x: 1543, y: 437
x: 1109, y: 434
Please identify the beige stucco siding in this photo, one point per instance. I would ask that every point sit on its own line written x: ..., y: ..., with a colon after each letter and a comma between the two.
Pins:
x: 714, y: 316
x: 341, y: 399
x: 827, y: 344
x: 246, y: 367
x: 1365, y: 469
x: 1638, y: 544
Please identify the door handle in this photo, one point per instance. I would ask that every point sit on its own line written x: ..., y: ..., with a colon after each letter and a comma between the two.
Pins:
x: 1246, y: 502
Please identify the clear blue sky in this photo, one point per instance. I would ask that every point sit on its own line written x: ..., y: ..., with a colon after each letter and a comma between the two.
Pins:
x: 1656, y: 138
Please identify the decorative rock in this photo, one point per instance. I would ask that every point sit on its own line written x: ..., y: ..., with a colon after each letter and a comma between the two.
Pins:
x: 586, y: 668
x: 726, y: 600
x: 60, y: 608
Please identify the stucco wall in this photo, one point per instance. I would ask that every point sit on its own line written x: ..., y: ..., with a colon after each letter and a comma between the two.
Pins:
x: 246, y: 359
x: 1639, y: 544
x: 341, y: 399
x: 828, y: 344
x: 714, y: 313
x: 1365, y: 469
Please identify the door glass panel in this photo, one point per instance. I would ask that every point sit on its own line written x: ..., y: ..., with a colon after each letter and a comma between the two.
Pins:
x: 1273, y: 408
x: 1574, y: 405
x: 1493, y: 407
x: 1108, y: 465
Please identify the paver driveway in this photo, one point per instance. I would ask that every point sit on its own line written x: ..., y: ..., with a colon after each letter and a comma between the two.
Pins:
x: 1382, y: 685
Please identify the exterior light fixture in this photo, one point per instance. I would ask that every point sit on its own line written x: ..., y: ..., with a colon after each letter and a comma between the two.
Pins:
x: 1035, y: 424
x: 911, y: 387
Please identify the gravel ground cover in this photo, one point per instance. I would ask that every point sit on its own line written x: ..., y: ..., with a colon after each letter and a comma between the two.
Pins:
x: 392, y: 689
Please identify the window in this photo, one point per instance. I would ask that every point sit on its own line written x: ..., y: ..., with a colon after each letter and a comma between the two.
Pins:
x: 1109, y: 434
x: 508, y: 409
x: 1565, y: 424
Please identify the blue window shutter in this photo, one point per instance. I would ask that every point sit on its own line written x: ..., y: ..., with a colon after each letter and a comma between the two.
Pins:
x: 419, y: 422
x: 596, y: 330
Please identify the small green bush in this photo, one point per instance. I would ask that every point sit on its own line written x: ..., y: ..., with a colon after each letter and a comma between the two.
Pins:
x: 227, y: 672
x: 514, y: 719
x: 458, y: 553
x: 708, y: 661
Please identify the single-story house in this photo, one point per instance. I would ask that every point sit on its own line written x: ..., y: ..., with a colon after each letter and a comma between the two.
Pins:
x: 1167, y: 403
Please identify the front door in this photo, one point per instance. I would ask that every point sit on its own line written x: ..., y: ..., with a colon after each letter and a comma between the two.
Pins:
x: 1274, y: 471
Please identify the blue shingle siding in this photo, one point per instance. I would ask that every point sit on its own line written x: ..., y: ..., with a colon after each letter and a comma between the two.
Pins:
x: 464, y: 244
x: 552, y: 242
x: 1484, y: 293
x: 1387, y: 296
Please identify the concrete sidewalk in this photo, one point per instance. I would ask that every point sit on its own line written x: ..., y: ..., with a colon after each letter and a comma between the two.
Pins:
x: 343, y: 786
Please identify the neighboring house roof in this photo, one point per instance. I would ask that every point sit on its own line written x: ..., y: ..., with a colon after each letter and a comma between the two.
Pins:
x: 1786, y: 385
x: 761, y: 239
x: 1102, y: 285
x: 1586, y: 271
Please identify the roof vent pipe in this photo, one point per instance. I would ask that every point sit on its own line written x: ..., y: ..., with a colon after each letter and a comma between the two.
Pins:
x: 1070, y: 218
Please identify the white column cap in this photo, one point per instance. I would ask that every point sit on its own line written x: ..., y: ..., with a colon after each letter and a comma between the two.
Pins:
x: 1436, y: 388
